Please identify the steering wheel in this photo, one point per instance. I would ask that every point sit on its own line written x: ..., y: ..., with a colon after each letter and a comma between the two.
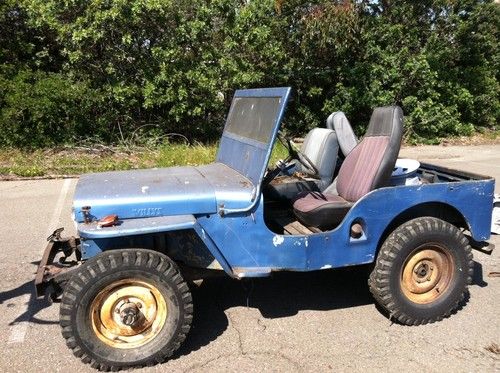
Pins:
x: 284, y: 165
x: 295, y: 153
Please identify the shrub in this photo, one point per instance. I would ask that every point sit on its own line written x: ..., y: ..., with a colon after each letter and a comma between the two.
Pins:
x: 110, y: 69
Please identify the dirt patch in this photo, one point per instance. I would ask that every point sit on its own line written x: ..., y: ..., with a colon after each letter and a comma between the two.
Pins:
x: 45, y: 177
x: 493, y: 348
x: 487, y: 138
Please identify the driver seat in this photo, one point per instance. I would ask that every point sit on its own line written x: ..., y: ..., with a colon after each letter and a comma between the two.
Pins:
x: 321, y: 147
x: 367, y: 167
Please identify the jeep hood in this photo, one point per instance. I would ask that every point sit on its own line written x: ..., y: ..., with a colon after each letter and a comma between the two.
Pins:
x: 161, y: 192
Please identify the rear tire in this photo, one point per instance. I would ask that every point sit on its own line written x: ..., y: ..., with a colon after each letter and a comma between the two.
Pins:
x: 126, y: 308
x: 422, y: 271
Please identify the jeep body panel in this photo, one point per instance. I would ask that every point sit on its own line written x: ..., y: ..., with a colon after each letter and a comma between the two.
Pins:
x: 251, y: 249
x: 134, y: 227
x: 144, y: 193
x: 245, y: 247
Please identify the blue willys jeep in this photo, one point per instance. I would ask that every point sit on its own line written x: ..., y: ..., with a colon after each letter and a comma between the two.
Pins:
x: 144, y: 235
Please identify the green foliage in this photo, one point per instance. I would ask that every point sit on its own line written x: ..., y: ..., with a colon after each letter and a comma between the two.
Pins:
x: 44, y: 109
x: 116, y: 69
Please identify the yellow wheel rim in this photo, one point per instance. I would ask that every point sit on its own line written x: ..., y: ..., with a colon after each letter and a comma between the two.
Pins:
x: 128, y: 313
x: 427, y: 273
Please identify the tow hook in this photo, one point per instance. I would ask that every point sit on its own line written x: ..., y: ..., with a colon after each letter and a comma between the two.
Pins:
x: 87, y: 219
x: 52, y: 272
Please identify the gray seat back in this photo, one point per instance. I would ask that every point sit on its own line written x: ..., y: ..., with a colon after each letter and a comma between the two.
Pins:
x: 321, y: 147
x: 338, y: 122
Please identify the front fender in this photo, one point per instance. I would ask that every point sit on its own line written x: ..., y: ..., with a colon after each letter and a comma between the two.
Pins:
x: 140, y: 233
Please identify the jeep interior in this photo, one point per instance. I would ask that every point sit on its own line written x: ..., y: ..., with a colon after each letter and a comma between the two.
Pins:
x: 367, y: 166
x: 313, y: 189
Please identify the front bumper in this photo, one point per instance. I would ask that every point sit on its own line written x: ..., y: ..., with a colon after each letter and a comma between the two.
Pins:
x: 50, y: 273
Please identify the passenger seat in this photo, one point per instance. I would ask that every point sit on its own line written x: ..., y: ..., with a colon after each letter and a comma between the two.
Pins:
x: 338, y: 122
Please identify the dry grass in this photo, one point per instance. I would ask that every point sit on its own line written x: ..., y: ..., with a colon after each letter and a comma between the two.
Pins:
x: 75, y: 161
x: 67, y: 160
x: 490, y: 137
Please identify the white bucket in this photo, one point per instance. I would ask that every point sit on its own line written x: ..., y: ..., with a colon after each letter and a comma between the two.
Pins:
x: 405, y: 172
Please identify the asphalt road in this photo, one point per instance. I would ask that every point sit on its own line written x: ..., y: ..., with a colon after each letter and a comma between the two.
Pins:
x: 292, y: 322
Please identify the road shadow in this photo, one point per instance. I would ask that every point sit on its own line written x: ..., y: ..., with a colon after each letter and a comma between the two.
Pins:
x: 478, y: 275
x: 34, y: 304
x: 282, y: 295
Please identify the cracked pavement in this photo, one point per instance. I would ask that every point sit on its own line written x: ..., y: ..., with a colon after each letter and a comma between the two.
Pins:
x: 291, y: 322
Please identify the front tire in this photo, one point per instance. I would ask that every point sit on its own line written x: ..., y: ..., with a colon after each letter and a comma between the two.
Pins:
x: 126, y: 308
x: 422, y: 271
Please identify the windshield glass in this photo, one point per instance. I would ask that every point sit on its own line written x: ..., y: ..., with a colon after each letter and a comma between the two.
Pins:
x: 253, y: 117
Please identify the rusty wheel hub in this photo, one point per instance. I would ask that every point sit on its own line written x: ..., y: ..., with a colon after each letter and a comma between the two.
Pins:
x: 128, y: 313
x: 427, y: 273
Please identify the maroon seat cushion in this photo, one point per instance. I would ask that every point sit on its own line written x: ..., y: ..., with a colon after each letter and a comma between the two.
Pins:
x: 320, y: 210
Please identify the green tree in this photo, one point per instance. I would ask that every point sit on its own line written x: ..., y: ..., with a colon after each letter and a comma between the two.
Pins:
x: 109, y: 69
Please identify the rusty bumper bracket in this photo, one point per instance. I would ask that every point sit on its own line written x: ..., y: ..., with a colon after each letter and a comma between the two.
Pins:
x: 48, y: 271
x: 482, y: 246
